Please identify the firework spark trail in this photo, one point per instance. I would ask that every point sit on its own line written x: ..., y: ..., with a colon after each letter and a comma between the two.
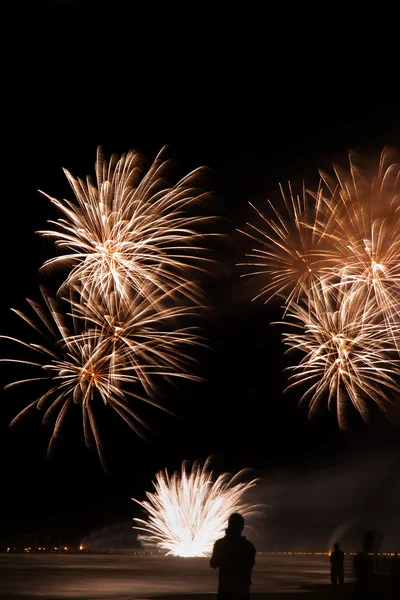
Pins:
x: 131, y: 227
x: 347, y: 352
x: 150, y: 339
x: 105, y: 351
x: 335, y: 259
x: 367, y: 233
x: 131, y: 243
x: 189, y: 511
x: 296, y: 248
x: 348, y: 228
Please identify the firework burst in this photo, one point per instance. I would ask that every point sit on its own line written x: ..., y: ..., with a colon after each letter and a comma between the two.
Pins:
x: 367, y: 230
x: 189, y: 510
x: 295, y: 246
x: 130, y: 243
x: 334, y: 257
x: 103, y: 350
x: 130, y: 228
x: 348, y: 355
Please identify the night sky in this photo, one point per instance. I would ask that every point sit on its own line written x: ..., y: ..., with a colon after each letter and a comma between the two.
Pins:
x: 259, y: 99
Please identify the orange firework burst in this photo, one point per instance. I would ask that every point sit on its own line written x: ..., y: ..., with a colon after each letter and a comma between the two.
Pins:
x: 131, y: 245
x: 103, y: 350
x: 348, y: 355
x: 295, y: 246
x: 367, y: 232
x: 335, y: 259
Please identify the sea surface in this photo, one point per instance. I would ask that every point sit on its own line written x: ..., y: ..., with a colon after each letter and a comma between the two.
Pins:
x: 133, y: 577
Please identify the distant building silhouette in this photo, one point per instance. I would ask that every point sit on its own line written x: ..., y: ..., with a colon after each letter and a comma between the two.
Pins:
x: 234, y: 556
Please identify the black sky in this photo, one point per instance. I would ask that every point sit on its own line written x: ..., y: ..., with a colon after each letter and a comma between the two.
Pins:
x: 259, y: 98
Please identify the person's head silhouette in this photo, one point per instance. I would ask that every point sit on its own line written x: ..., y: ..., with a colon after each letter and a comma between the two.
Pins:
x: 336, y: 546
x: 235, y: 524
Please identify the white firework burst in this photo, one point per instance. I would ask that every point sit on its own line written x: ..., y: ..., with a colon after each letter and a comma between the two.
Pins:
x: 130, y: 228
x: 189, y: 510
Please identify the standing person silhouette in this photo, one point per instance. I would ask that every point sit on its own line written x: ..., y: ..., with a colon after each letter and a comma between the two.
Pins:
x: 234, y: 556
x: 364, y: 568
x: 395, y: 576
x: 336, y: 559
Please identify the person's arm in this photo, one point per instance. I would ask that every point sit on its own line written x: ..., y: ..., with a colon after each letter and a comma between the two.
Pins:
x: 214, y: 560
x: 252, y: 557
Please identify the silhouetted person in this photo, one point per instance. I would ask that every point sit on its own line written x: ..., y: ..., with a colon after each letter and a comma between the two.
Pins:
x: 364, y: 568
x: 395, y: 576
x: 234, y: 556
x: 337, y: 567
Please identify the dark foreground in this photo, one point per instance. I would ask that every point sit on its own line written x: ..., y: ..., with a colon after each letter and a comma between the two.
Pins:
x: 117, y: 577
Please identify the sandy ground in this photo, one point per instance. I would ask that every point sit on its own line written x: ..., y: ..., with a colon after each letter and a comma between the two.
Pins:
x: 129, y: 577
